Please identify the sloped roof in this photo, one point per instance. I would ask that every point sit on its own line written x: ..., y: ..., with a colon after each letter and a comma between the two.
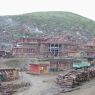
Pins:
x: 60, y: 40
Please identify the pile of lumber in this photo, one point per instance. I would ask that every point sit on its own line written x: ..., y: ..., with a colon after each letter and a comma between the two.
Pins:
x: 75, y: 78
x: 7, y: 74
x: 9, y: 89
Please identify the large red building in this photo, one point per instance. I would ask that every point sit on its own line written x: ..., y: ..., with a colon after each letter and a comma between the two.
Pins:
x: 45, y: 47
x: 54, y: 49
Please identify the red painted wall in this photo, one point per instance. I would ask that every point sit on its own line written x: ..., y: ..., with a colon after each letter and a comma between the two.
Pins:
x: 34, y: 69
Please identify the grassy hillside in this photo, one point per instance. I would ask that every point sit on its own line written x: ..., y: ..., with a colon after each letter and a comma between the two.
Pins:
x: 47, y: 23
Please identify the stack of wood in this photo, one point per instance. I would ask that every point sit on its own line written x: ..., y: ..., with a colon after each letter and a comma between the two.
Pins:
x: 8, y: 74
x: 68, y: 80
x: 92, y: 72
x: 9, y: 89
x: 75, y: 77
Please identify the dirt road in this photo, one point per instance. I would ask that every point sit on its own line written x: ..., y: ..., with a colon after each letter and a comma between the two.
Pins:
x: 45, y: 85
x: 40, y: 85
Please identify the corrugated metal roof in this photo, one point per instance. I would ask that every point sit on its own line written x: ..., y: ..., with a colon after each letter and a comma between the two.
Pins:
x: 81, y: 64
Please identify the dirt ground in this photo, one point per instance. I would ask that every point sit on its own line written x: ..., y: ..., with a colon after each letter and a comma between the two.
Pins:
x: 85, y: 89
x: 45, y: 85
x: 40, y: 84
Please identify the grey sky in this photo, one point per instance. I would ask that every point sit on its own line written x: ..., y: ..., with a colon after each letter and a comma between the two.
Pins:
x: 83, y: 7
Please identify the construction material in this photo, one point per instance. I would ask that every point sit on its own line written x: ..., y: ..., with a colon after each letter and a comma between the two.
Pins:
x: 75, y: 78
x: 9, y: 89
x: 8, y: 74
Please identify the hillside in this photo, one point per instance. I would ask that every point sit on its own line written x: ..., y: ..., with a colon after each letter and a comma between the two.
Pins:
x: 47, y: 23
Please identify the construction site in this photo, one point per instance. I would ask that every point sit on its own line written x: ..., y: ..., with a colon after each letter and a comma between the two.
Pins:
x: 51, y: 65
x: 72, y: 81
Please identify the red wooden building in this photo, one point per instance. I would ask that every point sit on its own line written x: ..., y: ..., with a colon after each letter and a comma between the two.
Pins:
x: 44, y: 47
x: 53, y: 49
x: 39, y: 67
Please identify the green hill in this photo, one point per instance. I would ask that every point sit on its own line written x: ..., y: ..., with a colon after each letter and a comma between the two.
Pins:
x: 47, y: 23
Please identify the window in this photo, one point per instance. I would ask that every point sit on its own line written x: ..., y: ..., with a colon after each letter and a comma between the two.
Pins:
x: 55, y: 49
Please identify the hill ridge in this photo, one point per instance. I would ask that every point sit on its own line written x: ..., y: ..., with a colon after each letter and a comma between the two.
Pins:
x: 47, y: 23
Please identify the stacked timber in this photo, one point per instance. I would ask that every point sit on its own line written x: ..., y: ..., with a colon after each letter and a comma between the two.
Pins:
x: 92, y: 72
x: 8, y: 74
x: 9, y: 89
x: 75, y: 77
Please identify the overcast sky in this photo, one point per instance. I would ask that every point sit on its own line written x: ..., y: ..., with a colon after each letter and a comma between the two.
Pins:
x: 83, y: 7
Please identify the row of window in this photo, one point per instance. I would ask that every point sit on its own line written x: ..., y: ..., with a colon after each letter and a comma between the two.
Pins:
x: 17, y: 50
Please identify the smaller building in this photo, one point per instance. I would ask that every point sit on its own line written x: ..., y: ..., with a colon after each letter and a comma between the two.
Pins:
x: 2, y: 53
x: 39, y: 67
x: 60, y: 64
x: 89, y: 50
x: 5, y: 54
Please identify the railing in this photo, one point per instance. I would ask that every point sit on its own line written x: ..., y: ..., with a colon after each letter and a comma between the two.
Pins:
x: 88, y: 56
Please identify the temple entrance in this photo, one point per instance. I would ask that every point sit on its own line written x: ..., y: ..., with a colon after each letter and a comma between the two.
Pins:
x: 55, y: 49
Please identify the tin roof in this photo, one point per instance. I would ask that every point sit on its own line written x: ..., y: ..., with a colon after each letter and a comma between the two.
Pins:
x: 40, y: 62
x: 81, y: 64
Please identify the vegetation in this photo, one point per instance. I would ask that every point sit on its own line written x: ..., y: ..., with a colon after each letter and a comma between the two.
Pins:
x: 47, y: 23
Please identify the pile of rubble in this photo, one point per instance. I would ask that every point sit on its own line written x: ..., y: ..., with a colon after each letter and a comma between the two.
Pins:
x: 75, y: 78
x: 9, y: 89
